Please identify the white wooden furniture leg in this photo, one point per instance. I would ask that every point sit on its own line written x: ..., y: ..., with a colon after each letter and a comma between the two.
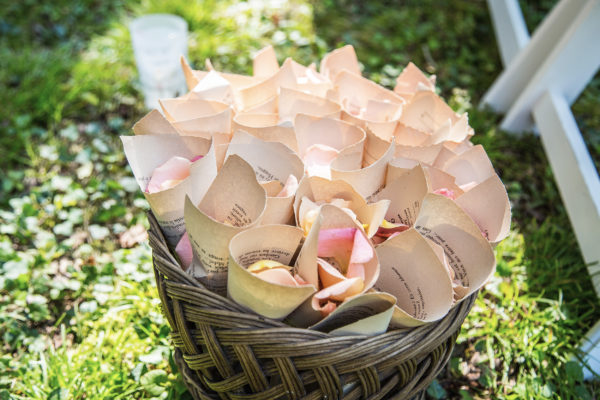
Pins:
x: 510, y: 26
x: 538, y: 86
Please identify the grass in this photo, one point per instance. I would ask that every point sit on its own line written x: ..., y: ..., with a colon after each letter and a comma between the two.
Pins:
x: 79, y: 315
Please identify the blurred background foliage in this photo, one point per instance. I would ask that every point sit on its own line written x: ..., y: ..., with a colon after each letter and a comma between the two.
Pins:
x: 79, y: 315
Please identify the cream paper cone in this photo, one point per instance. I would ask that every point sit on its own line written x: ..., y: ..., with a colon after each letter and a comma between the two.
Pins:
x: 398, y: 167
x: 423, y: 154
x: 346, y: 138
x: 264, y: 90
x: 267, y: 128
x: 234, y: 202
x: 405, y: 195
x: 411, y: 80
x: 427, y: 112
x: 470, y: 167
x: 489, y: 206
x: 359, y: 90
x: 293, y: 102
x: 308, y: 80
x: 330, y: 217
x: 154, y: 123
x: 367, y: 181
x: 268, y: 107
x: 193, y: 77
x: 264, y: 62
x: 467, y: 250
x: 193, y: 115
x: 321, y: 190
x: 338, y: 60
x: 407, y: 136
x: 366, y: 314
x: 438, y: 179
x: 147, y: 152
x: 413, y: 273
x: 269, y: 242
x: 213, y: 87
x: 271, y: 161
x: 381, y: 117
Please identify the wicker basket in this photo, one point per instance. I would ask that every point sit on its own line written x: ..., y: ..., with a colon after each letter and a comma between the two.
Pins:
x: 226, y: 352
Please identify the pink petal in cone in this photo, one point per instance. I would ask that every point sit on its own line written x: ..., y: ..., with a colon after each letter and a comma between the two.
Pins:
x: 279, y: 276
x: 290, y: 187
x: 184, y: 251
x: 317, y: 159
x: 362, y: 252
x: 169, y: 174
x: 445, y: 192
x: 328, y: 274
x: 341, y: 290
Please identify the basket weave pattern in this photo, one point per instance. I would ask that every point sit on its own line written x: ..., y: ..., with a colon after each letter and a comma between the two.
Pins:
x: 226, y: 352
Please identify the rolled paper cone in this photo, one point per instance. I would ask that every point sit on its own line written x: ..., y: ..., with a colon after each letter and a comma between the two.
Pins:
x: 468, y: 252
x: 471, y: 166
x: 411, y: 137
x: 269, y: 242
x: 489, y: 206
x: 267, y: 128
x: 338, y: 60
x: 146, y: 152
x: 293, y: 102
x: 264, y: 90
x: 268, y: 107
x: 346, y: 138
x: 330, y: 217
x: 427, y: 112
x: 366, y: 314
x: 354, y: 87
x: 411, y: 80
x: 438, y: 179
x: 398, y: 167
x: 185, y: 108
x: 154, y: 123
x: 321, y: 190
x: 270, y: 160
x: 367, y: 181
x: 412, y: 272
x: 264, y: 62
x: 406, y: 195
x: 234, y: 202
x: 213, y: 87
x: 423, y: 154
x: 193, y: 77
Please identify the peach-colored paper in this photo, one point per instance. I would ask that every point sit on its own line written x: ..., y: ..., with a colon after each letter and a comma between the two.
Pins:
x: 146, y: 152
x: 234, y: 202
x: 412, y: 272
x: 268, y: 242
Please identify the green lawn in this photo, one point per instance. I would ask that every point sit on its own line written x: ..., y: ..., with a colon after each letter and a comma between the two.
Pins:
x: 79, y: 314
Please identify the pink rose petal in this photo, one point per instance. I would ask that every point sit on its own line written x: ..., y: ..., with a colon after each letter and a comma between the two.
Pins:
x: 317, y: 159
x: 196, y: 158
x: 328, y: 274
x: 446, y: 192
x: 175, y: 169
x: 184, y: 251
x: 326, y: 309
x: 362, y: 252
x: 341, y: 290
x: 290, y: 187
x: 278, y: 275
x: 356, y: 270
